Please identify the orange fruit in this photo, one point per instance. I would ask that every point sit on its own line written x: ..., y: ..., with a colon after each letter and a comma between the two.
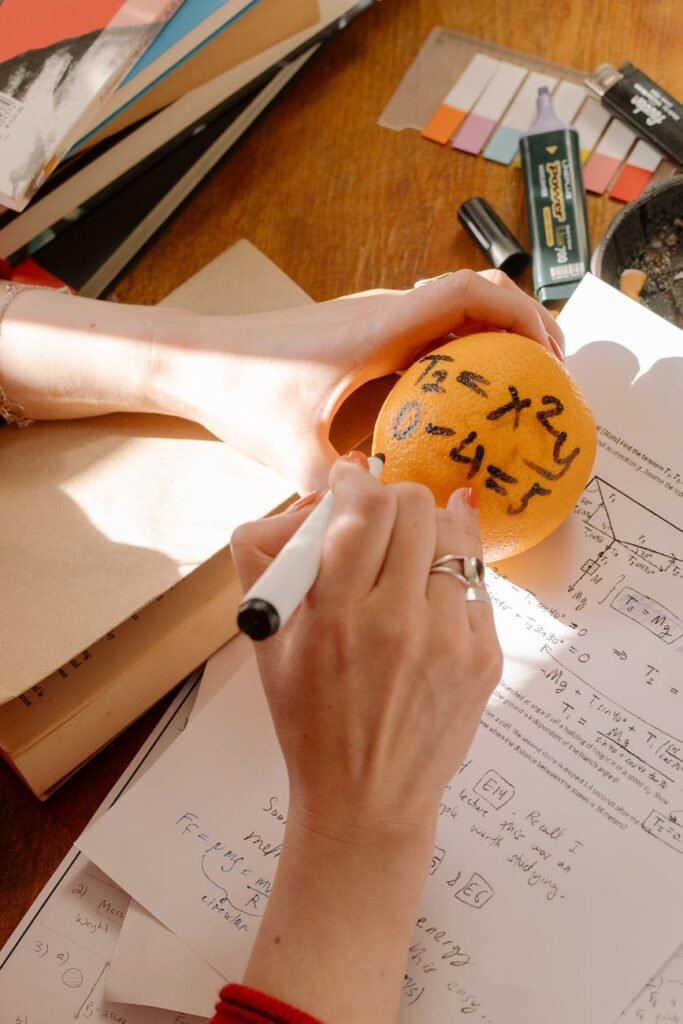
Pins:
x: 495, y: 411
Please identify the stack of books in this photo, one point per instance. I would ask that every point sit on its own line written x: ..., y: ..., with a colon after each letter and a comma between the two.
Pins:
x: 112, y: 111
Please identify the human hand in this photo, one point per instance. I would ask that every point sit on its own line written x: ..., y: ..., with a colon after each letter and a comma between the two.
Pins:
x: 271, y: 383
x: 378, y: 681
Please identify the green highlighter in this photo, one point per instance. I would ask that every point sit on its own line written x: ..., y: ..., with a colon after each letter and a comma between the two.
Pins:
x: 556, y: 205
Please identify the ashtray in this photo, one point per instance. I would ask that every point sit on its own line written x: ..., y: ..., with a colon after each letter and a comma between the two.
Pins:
x: 647, y: 237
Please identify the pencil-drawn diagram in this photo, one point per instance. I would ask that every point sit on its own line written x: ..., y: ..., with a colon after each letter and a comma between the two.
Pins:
x: 635, y: 560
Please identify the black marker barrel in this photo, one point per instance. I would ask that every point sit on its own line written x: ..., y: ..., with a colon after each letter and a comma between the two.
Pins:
x: 280, y: 590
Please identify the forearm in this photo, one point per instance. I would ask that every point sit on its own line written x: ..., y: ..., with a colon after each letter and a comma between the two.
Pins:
x: 66, y: 357
x: 335, y: 936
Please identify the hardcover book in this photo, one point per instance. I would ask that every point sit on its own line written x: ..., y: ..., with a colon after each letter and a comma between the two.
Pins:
x: 261, y: 27
x: 187, y: 31
x: 58, y: 64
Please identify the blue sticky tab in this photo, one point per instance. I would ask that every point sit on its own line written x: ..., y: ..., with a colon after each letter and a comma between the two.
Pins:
x: 503, y: 144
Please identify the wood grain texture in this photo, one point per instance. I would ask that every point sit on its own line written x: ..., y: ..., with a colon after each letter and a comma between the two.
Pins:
x: 343, y: 205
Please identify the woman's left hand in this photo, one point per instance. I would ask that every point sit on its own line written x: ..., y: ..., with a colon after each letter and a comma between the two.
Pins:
x: 270, y: 384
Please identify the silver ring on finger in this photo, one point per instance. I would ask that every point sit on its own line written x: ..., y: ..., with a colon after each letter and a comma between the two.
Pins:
x: 447, y: 571
x: 470, y: 568
x: 478, y: 593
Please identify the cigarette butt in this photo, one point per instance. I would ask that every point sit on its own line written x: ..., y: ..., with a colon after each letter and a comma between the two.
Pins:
x: 632, y: 282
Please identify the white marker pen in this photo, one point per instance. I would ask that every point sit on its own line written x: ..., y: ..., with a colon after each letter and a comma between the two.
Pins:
x: 292, y: 573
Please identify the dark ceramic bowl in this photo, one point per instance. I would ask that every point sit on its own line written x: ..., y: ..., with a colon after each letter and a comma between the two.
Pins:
x: 648, y: 235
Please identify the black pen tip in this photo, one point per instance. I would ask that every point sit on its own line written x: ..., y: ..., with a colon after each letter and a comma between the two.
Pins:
x: 380, y: 456
x: 258, y: 619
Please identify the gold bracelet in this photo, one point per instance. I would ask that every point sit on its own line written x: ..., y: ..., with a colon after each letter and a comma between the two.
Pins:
x: 11, y: 412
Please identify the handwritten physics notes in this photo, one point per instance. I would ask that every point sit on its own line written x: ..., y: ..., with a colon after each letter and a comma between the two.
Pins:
x: 54, y: 966
x: 200, y: 841
x: 57, y: 972
x: 511, y: 847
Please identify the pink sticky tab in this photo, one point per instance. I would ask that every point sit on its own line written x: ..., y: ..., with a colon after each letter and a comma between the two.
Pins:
x: 474, y: 133
x: 599, y: 171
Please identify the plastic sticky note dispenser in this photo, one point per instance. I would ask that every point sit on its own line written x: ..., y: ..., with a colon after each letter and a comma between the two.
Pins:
x: 493, y: 237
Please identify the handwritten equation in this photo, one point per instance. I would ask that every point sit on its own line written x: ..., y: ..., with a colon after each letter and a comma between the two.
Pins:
x: 501, y: 404
x: 638, y: 750
x: 239, y: 891
x: 648, y: 613
x: 667, y: 828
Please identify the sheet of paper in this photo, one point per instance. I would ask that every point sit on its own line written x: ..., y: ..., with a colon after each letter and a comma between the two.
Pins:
x: 140, y: 971
x: 559, y: 835
x: 54, y: 965
x: 661, y: 1001
x: 216, y: 857
x: 220, y: 668
x: 153, y: 967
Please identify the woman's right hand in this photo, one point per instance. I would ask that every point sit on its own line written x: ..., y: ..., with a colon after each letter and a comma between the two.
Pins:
x: 376, y: 686
x: 377, y: 683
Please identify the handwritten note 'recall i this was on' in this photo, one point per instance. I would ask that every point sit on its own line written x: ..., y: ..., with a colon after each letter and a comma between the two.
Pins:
x: 562, y: 833
x: 555, y: 890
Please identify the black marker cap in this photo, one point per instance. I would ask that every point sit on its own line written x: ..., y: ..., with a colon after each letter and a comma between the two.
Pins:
x: 258, y: 619
x: 495, y: 240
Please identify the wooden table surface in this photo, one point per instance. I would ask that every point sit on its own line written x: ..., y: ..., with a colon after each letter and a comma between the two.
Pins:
x: 343, y: 205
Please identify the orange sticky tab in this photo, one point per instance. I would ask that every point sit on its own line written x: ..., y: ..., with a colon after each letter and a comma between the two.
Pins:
x: 443, y: 123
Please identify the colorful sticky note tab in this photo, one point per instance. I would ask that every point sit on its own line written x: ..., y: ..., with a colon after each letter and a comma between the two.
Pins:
x: 590, y: 124
x: 643, y: 161
x: 489, y: 108
x: 567, y: 100
x: 520, y: 115
x: 605, y: 159
x: 460, y: 99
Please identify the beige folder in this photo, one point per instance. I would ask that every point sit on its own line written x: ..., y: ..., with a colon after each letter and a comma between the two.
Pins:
x: 114, y: 550
x: 100, y: 516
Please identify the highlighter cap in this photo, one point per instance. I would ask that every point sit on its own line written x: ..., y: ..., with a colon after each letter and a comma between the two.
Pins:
x: 493, y: 237
x: 546, y: 118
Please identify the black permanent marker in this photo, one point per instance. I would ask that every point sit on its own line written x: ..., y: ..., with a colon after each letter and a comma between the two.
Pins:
x: 292, y: 573
x: 642, y: 104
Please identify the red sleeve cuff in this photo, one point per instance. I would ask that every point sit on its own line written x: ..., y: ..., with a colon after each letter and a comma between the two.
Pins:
x: 242, y: 1005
